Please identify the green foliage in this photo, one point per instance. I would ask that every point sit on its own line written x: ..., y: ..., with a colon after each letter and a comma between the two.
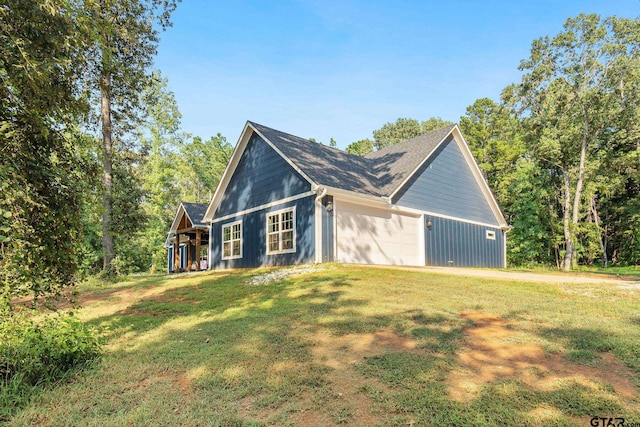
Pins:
x: 578, y: 101
x: 361, y: 147
x: 403, y: 129
x: 203, y: 164
x: 434, y: 123
x: 393, y: 133
x: 38, y: 352
x: 332, y: 345
x: 39, y: 168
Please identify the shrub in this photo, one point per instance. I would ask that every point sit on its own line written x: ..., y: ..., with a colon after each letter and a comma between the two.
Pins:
x: 34, y: 353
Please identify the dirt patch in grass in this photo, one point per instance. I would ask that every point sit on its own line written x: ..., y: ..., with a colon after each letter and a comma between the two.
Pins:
x: 492, y: 352
x: 345, y: 392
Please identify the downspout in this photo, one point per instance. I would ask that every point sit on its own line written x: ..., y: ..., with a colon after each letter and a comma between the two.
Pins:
x: 322, y: 194
x: 318, y: 224
x: 506, y: 229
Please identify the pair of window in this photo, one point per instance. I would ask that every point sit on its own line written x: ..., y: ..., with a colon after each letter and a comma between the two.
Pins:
x: 281, y: 235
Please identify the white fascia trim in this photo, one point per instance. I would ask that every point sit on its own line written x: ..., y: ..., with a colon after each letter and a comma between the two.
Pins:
x: 475, y: 170
x: 296, y: 168
x: 241, y: 145
x: 228, y: 172
x: 402, y: 209
x: 360, y: 198
x: 265, y: 206
x: 174, y: 224
x: 484, y: 186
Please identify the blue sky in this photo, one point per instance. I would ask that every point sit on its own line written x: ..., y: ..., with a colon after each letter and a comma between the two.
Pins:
x: 344, y: 68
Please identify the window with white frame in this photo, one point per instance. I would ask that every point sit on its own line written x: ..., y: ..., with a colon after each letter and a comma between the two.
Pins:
x: 232, y: 240
x: 281, y: 231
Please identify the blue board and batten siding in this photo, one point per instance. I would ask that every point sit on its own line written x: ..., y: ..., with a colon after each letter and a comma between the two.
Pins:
x: 254, y: 238
x: 461, y: 244
x: 446, y: 185
x: 262, y: 177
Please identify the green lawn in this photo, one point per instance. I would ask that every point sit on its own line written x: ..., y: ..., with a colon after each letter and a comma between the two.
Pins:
x: 352, y: 345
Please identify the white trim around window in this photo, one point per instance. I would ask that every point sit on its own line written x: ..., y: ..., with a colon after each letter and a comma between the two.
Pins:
x: 281, y: 231
x: 232, y: 240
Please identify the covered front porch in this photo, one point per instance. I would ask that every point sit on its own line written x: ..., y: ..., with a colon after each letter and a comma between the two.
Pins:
x: 188, y: 240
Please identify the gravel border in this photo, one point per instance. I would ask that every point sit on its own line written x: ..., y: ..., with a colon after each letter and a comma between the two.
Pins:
x: 283, y: 273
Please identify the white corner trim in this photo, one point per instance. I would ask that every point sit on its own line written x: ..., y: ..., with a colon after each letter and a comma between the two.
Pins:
x: 265, y: 206
x: 317, y: 217
x: 209, y: 248
x: 422, y: 244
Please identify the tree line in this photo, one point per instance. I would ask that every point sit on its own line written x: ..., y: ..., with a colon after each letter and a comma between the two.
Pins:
x: 94, y: 161
x: 561, y: 150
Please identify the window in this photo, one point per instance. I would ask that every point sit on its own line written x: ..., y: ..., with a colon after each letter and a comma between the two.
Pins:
x: 281, y: 231
x: 491, y: 235
x: 232, y: 240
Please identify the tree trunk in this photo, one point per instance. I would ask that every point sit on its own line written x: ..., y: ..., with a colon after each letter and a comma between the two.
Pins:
x: 107, y: 172
x: 579, y: 183
x: 568, y: 237
x: 596, y: 218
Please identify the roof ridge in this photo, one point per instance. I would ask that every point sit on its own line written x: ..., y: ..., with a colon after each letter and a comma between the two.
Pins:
x: 319, y: 144
x: 421, y: 136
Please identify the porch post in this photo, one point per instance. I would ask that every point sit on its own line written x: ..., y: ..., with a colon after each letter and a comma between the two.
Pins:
x: 188, y: 254
x: 176, y: 254
x: 198, y: 241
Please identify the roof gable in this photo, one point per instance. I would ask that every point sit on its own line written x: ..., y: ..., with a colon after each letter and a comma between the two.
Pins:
x: 396, y: 163
x: 379, y: 174
x: 194, y: 213
x: 445, y: 185
x: 261, y: 176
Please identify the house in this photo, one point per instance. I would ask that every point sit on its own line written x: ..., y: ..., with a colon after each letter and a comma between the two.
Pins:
x: 285, y: 200
x: 188, y: 239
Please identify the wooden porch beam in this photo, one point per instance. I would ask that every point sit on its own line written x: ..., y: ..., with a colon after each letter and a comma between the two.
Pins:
x: 198, y: 241
x: 176, y: 254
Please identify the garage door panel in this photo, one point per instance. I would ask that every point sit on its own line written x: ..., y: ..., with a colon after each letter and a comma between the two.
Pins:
x: 376, y: 236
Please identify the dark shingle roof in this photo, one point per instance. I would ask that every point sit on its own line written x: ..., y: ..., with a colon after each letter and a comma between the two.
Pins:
x: 394, y: 164
x: 378, y: 174
x: 196, y: 212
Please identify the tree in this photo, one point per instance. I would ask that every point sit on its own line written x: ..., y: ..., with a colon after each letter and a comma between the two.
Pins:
x: 573, y: 98
x: 393, y: 133
x: 124, y: 42
x: 403, y: 129
x: 361, y: 147
x: 493, y: 137
x: 39, y: 110
x: 434, y: 123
